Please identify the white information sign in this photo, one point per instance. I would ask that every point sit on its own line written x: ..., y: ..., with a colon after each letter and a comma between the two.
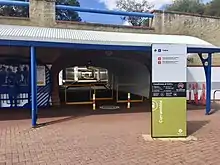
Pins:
x: 169, y: 66
x: 169, y: 62
x: 41, y: 76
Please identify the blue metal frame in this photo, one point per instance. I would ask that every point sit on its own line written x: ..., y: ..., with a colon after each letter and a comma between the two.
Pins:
x: 94, y: 46
x: 81, y: 9
x: 207, y: 64
x: 33, y: 86
x: 34, y: 44
x: 72, y: 45
x: 99, y: 11
x: 16, y: 3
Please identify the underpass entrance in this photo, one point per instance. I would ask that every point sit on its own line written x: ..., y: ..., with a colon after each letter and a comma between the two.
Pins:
x: 132, y: 64
x: 84, y: 85
x: 166, y: 85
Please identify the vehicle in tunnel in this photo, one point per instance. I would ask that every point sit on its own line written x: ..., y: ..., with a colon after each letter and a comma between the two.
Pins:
x: 112, y: 78
x: 77, y: 84
x: 84, y: 74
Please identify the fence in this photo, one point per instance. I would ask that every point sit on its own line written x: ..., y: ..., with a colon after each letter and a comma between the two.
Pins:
x: 145, y: 15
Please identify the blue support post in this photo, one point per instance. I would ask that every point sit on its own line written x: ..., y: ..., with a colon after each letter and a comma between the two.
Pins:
x: 207, y: 64
x: 33, y: 87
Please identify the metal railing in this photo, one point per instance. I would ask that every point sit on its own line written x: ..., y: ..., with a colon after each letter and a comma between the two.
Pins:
x: 100, y: 11
x: 214, y: 94
x: 66, y: 87
x: 96, y: 88
x: 14, y: 3
x: 85, y: 10
x: 118, y: 100
x: 92, y: 90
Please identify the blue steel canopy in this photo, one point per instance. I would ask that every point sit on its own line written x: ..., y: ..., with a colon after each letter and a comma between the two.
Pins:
x: 28, y: 36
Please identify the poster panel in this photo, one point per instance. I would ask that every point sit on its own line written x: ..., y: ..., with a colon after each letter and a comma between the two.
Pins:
x: 41, y: 76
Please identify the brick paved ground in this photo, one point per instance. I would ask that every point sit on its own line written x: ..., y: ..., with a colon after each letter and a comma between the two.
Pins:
x: 104, y: 140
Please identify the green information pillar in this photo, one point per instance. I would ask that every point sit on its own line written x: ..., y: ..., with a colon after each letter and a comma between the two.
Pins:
x: 169, y: 77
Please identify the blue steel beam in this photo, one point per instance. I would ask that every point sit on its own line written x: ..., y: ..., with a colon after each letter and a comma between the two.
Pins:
x: 80, y: 9
x: 33, y: 87
x: 14, y: 3
x: 110, y: 12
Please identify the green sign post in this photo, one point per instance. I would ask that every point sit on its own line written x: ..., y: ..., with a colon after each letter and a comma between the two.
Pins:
x: 169, y: 64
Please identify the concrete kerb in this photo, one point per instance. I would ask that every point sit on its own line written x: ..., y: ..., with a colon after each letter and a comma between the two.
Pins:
x: 148, y: 137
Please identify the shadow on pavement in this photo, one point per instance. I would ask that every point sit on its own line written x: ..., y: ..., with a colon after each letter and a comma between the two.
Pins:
x: 69, y: 111
x: 191, y: 107
x: 194, y: 126
x: 60, y: 120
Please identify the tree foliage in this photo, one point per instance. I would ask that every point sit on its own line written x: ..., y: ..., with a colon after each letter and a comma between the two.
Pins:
x: 18, y: 11
x: 196, y: 6
x: 188, y: 6
x: 67, y: 15
x: 213, y: 8
x: 134, y: 6
x: 14, y: 11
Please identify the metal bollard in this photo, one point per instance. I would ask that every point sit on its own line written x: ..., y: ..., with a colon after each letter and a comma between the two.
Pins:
x: 129, y: 101
x: 93, y: 102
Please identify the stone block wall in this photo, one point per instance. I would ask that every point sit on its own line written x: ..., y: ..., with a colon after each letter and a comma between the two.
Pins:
x: 42, y: 12
x: 204, y: 27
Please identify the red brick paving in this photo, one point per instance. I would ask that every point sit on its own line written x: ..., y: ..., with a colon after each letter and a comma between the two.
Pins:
x: 107, y: 139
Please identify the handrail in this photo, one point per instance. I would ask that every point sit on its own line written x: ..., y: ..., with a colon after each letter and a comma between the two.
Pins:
x: 215, y: 93
x: 131, y: 100
x: 83, y: 85
x: 91, y: 88
x: 81, y: 9
x: 100, y: 11
x: 79, y: 102
x: 17, y: 3
x: 127, y: 84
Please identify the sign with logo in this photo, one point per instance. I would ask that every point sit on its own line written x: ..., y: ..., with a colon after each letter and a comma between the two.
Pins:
x: 169, y: 66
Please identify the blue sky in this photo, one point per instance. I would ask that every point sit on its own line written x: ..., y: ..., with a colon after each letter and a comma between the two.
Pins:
x: 110, y: 4
x: 98, y: 18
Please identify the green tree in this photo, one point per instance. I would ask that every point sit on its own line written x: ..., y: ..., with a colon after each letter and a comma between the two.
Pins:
x: 213, y: 8
x: 67, y: 15
x: 18, y: 11
x: 134, y: 6
x: 188, y: 6
x: 14, y: 11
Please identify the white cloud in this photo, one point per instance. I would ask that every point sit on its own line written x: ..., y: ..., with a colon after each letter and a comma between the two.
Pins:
x: 126, y: 23
x: 111, y: 4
